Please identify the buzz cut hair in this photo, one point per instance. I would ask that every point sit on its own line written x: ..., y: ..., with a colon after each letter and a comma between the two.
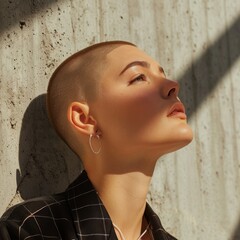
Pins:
x: 76, y: 79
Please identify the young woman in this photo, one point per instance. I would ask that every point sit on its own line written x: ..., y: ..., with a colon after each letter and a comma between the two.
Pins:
x: 114, y: 106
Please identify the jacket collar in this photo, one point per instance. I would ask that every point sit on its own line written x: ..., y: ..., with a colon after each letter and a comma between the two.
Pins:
x: 91, y: 218
x: 157, y: 229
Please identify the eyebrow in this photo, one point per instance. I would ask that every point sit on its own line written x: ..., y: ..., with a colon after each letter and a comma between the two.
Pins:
x: 136, y: 63
x: 140, y: 63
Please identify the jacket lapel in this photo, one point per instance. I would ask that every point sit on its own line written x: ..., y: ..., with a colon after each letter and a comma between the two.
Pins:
x: 157, y: 229
x: 90, y: 217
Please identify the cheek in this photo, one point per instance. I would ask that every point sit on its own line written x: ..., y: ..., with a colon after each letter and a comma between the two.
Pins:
x: 128, y: 115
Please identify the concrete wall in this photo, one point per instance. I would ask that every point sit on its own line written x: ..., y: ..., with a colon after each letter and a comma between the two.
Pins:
x: 195, y: 191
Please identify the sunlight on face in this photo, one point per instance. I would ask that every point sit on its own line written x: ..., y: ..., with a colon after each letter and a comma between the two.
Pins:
x: 137, y: 108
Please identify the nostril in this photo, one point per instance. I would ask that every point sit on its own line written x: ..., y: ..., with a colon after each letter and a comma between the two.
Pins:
x: 171, y: 92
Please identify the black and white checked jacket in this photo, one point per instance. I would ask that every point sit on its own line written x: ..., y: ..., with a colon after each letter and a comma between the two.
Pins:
x: 76, y: 214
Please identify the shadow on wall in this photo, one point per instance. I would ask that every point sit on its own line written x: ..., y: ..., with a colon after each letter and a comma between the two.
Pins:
x: 207, y: 71
x: 46, y: 163
x: 17, y: 12
x: 236, y: 235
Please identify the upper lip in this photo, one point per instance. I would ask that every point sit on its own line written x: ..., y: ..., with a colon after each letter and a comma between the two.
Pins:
x: 176, y: 107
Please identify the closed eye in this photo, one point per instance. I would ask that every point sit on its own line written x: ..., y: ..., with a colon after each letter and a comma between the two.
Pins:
x: 139, y: 78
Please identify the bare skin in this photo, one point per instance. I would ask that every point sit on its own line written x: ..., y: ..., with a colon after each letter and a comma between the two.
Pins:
x: 139, y: 118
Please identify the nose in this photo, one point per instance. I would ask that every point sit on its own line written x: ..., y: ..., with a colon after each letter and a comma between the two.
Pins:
x: 170, y: 89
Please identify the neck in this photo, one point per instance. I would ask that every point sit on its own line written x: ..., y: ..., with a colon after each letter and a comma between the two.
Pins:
x: 124, y: 196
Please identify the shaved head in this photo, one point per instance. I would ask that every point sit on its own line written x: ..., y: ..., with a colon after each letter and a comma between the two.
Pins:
x: 76, y: 80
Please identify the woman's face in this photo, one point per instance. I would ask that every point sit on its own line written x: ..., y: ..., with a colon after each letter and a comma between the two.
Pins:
x: 137, y: 109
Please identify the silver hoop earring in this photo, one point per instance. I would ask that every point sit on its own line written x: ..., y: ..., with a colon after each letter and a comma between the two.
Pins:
x: 91, y: 146
x: 178, y: 99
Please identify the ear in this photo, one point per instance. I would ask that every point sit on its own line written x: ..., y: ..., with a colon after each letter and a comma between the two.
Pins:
x: 78, y: 116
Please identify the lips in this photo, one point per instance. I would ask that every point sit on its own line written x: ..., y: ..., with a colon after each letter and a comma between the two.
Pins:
x: 177, y: 111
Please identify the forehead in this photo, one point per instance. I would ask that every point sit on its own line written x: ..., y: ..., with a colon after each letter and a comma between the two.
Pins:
x: 123, y: 55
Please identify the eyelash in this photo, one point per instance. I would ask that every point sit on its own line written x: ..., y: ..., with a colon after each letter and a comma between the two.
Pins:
x: 141, y: 76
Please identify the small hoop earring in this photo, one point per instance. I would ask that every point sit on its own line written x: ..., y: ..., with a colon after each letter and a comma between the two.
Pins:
x: 91, y: 146
x: 178, y: 99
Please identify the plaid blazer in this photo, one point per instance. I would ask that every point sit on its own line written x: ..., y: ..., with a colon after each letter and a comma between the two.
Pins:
x: 76, y: 214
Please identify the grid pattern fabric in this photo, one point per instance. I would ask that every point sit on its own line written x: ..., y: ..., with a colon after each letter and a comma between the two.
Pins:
x: 76, y: 214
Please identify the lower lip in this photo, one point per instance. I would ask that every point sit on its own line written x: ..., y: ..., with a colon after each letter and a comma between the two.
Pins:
x: 176, y: 114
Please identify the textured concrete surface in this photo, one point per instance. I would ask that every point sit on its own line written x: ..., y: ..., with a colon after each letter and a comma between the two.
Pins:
x: 196, y: 190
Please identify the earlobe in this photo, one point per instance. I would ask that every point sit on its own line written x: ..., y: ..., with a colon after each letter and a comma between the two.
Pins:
x: 78, y: 116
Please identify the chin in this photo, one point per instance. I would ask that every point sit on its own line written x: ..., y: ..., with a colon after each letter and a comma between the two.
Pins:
x: 179, y: 139
x: 182, y: 138
x: 186, y: 134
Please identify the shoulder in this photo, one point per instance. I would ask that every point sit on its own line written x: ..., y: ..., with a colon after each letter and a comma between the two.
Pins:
x: 35, y: 216
x: 34, y: 207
